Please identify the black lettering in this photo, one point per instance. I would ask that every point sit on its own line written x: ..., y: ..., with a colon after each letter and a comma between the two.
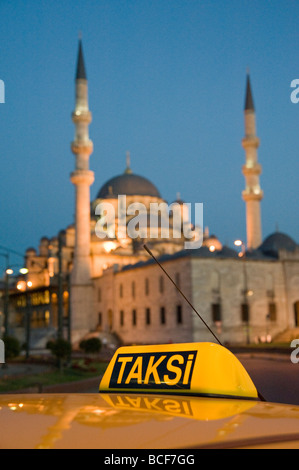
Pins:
x: 153, y: 371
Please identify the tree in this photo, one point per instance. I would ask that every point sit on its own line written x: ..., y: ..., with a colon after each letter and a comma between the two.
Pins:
x: 91, y: 345
x: 12, y: 347
x: 61, y: 349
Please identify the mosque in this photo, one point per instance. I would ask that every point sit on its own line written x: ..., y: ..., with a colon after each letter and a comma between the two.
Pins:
x: 94, y: 279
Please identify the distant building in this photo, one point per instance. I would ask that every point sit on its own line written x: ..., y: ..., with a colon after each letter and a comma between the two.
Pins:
x: 79, y: 284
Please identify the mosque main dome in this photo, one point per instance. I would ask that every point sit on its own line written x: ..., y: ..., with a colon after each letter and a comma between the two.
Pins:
x: 128, y: 184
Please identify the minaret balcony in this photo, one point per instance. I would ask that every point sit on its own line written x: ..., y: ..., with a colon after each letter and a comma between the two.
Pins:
x: 82, y: 148
x: 254, y: 169
x: 250, y: 194
x: 250, y: 141
x: 82, y: 177
x: 81, y: 115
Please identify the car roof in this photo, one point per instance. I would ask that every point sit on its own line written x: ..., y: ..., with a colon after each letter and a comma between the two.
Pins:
x: 143, y: 421
x: 175, y: 396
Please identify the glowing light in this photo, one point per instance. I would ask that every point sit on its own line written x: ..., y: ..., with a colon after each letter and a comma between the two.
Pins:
x: 51, y: 261
x: 29, y: 284
x: 21, y: 285
x: 9, y: 271
x: 212, y: 248
x: 23, y: 270
x: 242, y: 245
x: 109, y: 246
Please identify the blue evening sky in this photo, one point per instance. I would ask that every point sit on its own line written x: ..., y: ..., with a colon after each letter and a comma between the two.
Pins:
x: 166, y: 82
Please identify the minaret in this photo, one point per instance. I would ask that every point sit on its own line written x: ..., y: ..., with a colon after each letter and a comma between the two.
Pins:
x: 82, y: 178
x: 252, y: 194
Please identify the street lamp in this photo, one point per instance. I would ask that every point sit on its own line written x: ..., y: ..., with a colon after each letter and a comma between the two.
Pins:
x: 24, y: 285
x: 247, y: 292
x: 9, y: 271
x: 60, y: 286
x: 28, y: 285
x: 241, y: 244
x: 6, y: 293
x: 59, y: 256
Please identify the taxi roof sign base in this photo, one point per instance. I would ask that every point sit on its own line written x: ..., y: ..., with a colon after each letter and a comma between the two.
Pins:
x: 196, y: 369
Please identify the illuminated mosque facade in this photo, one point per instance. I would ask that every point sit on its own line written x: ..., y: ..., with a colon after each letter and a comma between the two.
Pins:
x: 90, y: 281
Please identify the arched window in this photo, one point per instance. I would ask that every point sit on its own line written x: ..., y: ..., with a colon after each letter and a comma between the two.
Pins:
x: 161, y: 284
x: 179, y: 314
x: 146, y: 286
x: 147, y: 316
x: 162, y: 316
x: 122, y: 316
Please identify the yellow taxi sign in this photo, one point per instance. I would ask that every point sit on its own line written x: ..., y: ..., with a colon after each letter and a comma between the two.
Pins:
x: 205, y: 369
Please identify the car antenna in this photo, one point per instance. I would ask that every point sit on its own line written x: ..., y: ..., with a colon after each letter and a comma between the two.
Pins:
x: 154, y: 258
x: 151, y: 254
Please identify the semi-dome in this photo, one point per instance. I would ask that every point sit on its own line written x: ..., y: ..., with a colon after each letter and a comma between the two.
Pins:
x: 128, y: 184
x: 227, y: 252
x: 276, y: 242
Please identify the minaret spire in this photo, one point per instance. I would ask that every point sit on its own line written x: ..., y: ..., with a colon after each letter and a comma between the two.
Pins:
x: 249, y: 106
x: 80, y: 73
x: 252, y: 194
x: 82, y: 178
